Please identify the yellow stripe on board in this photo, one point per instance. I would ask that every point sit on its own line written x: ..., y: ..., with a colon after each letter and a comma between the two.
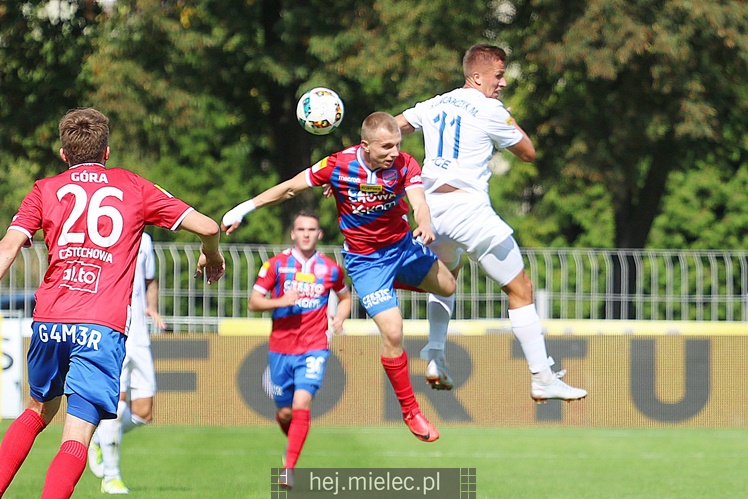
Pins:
x: 555, y: 327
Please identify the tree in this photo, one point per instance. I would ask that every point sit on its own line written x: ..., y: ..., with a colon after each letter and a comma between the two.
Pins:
x: 622, y: 93
x: 206, y: 91
x: 42, y: 48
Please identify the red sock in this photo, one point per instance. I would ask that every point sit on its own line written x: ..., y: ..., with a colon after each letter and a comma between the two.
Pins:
x: 65, y: 470
x: 16, y: 445
x: 300, y: 422
x: 397, y: 370
x: 283, y: 424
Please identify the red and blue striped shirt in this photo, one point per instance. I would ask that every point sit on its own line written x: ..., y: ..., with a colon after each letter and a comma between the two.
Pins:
x: 372, y: 209
x: 302, y: 327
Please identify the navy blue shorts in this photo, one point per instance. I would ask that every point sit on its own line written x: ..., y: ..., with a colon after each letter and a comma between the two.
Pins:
x: 82, y: 361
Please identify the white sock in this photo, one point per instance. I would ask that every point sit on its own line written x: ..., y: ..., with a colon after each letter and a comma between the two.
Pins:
x: 439, y: 312
x: 526, y: 327
x: 135, y: 421
x: 110, y: 439
x: 126, y: 417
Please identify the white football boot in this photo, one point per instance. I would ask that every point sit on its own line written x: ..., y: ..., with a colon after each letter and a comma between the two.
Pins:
x: 556, y: 389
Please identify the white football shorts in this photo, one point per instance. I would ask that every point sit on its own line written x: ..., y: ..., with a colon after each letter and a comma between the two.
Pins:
x: 138, y: 373
x: 465, y: 222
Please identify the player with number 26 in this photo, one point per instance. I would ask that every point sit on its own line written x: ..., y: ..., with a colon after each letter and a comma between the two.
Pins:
x: 93, y: 218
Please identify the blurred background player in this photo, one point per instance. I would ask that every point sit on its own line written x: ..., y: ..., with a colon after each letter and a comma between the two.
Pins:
x: 93, y: 219
x: 370, y: 182
x: 461, y: 129
x: 138, y: 379
x: 299, y: 281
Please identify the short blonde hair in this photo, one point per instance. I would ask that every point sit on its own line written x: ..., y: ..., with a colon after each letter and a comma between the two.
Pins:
x: 378, y: 121
x: 84, y: 134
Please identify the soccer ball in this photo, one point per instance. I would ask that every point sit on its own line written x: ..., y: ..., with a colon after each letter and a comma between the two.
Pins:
x: 320, y: 111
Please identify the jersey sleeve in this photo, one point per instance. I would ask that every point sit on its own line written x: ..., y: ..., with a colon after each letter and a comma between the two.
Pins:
x: 28, y: 219
x: 413, y: 116
x: 412, y: 173
x: 163, y: 209
x: 339, y: 284
x: 321, y: 172
x: 500, y: 129
x: 266, y: 278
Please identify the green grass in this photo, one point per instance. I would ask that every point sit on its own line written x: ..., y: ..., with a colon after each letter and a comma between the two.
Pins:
x: 574, y: 463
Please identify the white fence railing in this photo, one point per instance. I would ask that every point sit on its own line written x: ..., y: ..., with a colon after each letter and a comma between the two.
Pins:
x: 569, y: 283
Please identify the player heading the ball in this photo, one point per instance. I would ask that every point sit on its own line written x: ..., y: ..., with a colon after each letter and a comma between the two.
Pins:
x: 371, y: 181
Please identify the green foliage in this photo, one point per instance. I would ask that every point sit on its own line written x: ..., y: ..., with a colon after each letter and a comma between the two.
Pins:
x: 623, y: 93
x: 42, y: 48
x: 704, y: 208
x: 619, y: 98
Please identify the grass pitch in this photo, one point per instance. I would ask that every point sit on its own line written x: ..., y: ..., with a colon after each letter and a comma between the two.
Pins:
x: 548, y: 462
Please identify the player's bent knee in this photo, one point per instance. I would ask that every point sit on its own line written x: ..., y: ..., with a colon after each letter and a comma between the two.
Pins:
x: 449, y: 286
x: 439, y: 281
x: 284, y: 414
x: 392, y: 339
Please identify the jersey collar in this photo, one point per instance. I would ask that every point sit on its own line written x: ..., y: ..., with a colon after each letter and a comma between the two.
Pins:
x: 371, y: 175
x: 305, y: 262
x: 80, y: 165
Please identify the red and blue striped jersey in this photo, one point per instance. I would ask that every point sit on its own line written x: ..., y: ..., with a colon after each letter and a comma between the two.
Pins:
x: 372, y: 209
x: 302, y: 327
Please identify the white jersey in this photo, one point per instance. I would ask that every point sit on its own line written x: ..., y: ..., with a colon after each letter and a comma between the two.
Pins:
x: 145, y: 269
x: 461, y: 129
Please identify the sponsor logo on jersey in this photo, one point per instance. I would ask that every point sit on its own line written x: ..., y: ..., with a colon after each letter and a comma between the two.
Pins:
x: 352, y: 180
x: 81, y: 276
x: 362, y: 209
x: 82, y: 252
x: 309, y: 292
x: 305, y: 277
x: 371, y: 188
x: 69, y: 333
x: 305, y: 289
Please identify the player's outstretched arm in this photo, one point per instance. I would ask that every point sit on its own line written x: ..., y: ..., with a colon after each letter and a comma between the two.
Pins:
x: 524, y: 149
x: 10, y: 245
x: 275, y: 195
x: 404, y: 124
x: 211, y: 261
